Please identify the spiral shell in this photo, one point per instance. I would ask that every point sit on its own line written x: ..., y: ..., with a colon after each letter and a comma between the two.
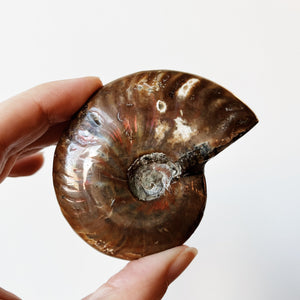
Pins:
x: 129, y: 171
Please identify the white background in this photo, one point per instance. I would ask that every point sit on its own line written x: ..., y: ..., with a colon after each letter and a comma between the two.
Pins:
x: 249, y: 240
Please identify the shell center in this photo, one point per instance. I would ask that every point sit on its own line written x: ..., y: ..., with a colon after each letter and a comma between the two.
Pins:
x: 150, y: 176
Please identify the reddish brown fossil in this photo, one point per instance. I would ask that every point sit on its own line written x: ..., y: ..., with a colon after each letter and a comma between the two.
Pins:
x: 129, y: 171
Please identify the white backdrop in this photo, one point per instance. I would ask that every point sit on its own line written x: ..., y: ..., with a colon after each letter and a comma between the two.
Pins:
x: 249, y: 240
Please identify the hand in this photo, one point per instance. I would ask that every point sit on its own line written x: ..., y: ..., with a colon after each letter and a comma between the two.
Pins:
x: 35, y: 119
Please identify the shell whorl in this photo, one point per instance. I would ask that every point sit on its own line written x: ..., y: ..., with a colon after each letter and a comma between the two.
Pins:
x: 128, y: 172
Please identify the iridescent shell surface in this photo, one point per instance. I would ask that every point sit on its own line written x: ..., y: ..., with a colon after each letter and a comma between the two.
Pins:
x: 129, y: 171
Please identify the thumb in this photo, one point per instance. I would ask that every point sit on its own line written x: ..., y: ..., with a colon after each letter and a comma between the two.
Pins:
x: 146, y: 278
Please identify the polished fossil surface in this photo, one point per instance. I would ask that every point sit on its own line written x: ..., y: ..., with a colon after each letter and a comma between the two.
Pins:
x: 129, y: 171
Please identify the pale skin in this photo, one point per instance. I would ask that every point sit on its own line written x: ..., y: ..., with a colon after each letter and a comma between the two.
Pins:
x: 34, y: 120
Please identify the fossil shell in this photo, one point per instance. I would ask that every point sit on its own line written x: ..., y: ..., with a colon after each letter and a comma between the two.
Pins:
x: 129, y: 171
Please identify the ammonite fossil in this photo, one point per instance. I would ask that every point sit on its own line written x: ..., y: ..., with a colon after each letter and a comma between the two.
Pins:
x: 129, y: 170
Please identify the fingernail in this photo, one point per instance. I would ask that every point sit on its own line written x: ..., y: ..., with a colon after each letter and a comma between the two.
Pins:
x: 181, y: 262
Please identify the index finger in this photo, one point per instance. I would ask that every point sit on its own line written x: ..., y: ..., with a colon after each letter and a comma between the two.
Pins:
x: 26, y: 117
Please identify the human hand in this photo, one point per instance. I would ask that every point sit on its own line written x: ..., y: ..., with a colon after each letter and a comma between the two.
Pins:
x: 35, y: 119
